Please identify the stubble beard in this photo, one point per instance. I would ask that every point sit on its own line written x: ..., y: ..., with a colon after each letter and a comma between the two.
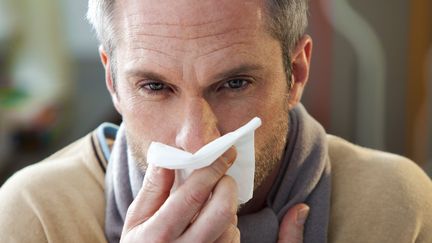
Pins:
x: 270, y: 152
x: 137, y: 150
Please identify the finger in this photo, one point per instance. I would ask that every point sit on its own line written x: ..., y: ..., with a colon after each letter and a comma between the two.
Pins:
x: 217, y: 215
x: 232, y: 234
x: 177, y: 212
x: 292, y: 226
x: 153, y: 193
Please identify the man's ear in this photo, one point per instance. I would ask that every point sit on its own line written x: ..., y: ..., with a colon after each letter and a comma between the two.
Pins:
x: 300, y: 62
x: 106, y: 61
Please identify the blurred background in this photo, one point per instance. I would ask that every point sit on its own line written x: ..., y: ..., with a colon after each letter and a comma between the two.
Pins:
x: 370, y: 82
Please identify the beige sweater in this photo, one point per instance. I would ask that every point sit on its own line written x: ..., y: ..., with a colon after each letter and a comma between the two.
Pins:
x: 376, y: 197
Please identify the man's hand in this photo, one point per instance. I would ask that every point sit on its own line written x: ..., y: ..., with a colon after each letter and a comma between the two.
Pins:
x: 190, y: 214
x: 291, y: 228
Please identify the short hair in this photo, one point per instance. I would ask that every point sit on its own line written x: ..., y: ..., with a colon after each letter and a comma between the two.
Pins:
x: 286, y: 21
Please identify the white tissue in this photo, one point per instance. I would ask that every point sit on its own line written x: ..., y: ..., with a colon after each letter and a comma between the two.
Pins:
x: 242, y: 170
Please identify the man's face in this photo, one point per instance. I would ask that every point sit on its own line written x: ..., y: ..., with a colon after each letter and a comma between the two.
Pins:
x: 191, y: 71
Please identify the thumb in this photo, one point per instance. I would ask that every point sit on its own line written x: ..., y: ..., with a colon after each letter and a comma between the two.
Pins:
x: 292, y: 226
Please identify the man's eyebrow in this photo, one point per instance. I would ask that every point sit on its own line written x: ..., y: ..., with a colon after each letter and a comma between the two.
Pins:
x: 145, y: 74
x: 242, y: 69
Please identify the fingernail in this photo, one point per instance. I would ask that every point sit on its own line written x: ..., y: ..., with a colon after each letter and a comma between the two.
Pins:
x: 302, y: 215
x: 230, y: 161
x: 231, y: 156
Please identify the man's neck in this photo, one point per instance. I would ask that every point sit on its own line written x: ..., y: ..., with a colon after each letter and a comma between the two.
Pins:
x: 260, y: 194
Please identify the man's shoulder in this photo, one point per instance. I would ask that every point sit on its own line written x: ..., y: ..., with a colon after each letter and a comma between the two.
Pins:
x: 379, y: 189
x: 56, y: 193
x: 77, y: 160
x: 349, y: 157
x: 353, y: 162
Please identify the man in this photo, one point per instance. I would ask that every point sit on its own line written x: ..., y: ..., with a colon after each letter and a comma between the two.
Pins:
x: 184, y: 73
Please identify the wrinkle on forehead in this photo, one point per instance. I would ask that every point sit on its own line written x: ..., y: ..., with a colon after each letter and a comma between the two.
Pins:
x: 192, y: 13
x: 185, y: 34
x: 174, y: 28
x: 188, y: 20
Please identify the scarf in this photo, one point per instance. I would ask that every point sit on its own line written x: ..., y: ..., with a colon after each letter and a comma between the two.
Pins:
x: 304, y: 177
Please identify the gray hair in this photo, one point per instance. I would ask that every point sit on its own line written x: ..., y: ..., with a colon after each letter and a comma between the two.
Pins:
x: 286, y: 22
x: 100, y: 14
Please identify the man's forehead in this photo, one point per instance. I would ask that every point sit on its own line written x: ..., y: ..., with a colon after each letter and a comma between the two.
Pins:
x: 171, y: 30
x: 188, y: 13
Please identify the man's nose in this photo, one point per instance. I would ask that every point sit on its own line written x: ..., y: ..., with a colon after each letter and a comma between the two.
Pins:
x: 198, y: 125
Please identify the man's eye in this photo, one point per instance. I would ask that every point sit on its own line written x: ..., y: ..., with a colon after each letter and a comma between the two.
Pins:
x: 155, y: 86
x: 235, y: 84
